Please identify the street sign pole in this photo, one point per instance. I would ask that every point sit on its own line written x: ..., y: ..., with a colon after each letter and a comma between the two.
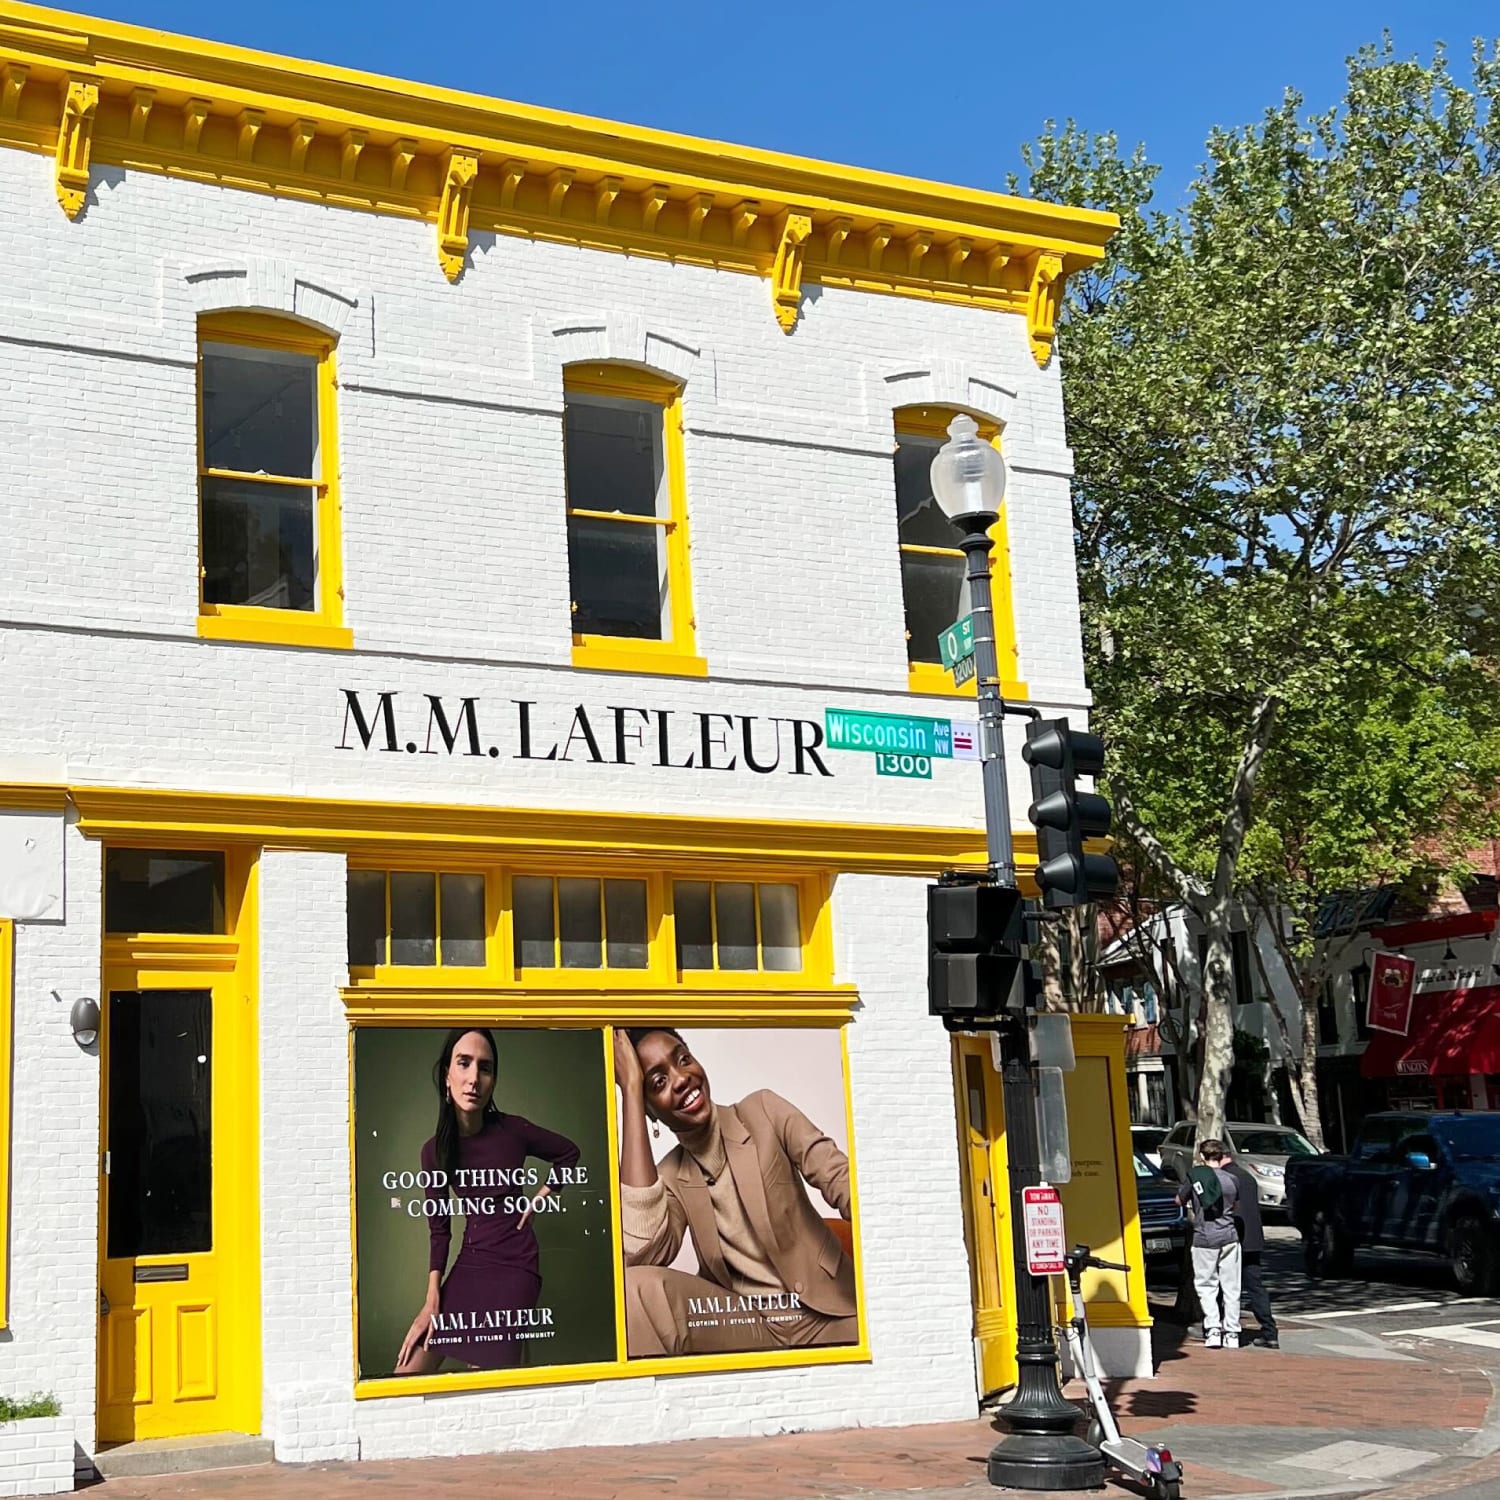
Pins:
x: 1041, y: 1450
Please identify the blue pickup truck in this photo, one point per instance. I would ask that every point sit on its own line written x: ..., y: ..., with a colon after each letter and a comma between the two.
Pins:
x: 1424, y: 1182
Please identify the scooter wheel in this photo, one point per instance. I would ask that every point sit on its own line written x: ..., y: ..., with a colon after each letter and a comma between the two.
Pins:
x: 1093, y: 1434
x: 1167, y: 1489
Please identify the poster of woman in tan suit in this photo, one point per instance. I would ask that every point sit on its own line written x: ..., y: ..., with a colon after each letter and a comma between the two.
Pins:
x: 734, y: 1217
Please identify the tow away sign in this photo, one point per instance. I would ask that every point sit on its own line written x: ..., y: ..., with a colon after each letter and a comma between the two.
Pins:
x: 1046, y: 1239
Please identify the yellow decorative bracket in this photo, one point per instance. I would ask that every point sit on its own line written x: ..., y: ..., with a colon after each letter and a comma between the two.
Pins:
x: 786, y: 270
x: 75, y: 136
x: 13, y: 78
x: 1043, y: 295
x: 453, y: 212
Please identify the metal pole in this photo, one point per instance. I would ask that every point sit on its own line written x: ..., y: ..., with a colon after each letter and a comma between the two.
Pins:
x: 1040, y: 1451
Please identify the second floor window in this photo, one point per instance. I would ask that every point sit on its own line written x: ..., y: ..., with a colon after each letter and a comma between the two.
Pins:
x: 932, y: 566
x: 268, y: 501
x: 627, y: 521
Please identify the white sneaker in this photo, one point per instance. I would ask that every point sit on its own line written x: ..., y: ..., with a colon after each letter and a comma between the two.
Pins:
x: 1213, y: 1343
x: 1231, y: 1341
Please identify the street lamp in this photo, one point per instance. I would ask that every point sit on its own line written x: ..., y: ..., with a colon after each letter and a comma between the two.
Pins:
x: 1040, y: 1451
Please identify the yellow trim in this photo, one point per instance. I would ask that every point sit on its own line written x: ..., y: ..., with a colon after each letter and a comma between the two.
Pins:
x: 227, y: 965
x: 32, y: 796
x: 210, y: 112
x: 321, y: 628
x: 7, y: 1032
x: 676, y: 655
x: 665, y: 1008
x: 183, y: 818
x: 930, y: 422
x: 446, y: 1006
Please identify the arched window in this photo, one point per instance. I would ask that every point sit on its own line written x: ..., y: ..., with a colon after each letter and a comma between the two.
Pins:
x: 932, y: 565
x: 270, y: 553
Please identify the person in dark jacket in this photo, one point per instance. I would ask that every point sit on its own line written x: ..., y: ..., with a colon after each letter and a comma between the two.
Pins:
x: 1252, y: 1250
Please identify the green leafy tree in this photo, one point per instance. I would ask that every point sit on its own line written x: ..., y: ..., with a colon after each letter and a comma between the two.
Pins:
x: 1288, y: 449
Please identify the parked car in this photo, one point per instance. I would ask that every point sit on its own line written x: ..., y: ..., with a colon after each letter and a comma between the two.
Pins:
x: 1163, y: 1226
x: 1424, y: 1182
x: 1147, y: 1140
x: 1263, y: 1150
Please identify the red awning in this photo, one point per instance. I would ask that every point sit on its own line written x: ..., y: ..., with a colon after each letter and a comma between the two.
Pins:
x: 1453, y: 1032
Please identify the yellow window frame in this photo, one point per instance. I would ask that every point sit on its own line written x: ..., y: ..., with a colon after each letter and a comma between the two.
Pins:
x: 436, y: 975
x: 323, y: 627
x: 7, y: 1029
x: 677, y: 656
x: 932, y: 678
x: 375, y: 989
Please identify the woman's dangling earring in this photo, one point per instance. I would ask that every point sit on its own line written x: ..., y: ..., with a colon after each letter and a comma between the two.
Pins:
x: 655, y: 1131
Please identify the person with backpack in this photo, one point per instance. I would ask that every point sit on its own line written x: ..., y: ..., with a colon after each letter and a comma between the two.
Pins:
x: 1252, y: 1254
x: 1211, y: 1196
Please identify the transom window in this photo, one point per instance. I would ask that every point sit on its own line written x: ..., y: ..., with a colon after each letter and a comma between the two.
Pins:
x: 269, y: 547
x: 176, y: 891
x: 416, y: 919
x: 737, y: 925
x: 627, y: 520
x: 579, y: 923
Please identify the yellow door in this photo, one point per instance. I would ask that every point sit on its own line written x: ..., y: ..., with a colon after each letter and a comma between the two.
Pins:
x: 179, y: 1309
x: 986, y: 1212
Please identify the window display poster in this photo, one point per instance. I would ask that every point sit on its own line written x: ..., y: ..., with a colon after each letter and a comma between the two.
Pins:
x: 735, y: 1190
x: 482, y: 1194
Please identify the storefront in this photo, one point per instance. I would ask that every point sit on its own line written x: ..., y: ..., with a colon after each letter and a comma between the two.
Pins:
x: 448, y: 953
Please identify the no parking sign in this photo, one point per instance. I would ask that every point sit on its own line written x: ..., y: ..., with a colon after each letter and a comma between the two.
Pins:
x: 1046, y: 1239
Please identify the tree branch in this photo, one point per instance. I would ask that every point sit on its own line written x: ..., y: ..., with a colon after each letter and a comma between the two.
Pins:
x: 1237, y: 815
x: 1187, y: 885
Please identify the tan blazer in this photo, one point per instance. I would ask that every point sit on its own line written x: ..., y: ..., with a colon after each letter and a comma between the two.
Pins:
x: 771, y: 1146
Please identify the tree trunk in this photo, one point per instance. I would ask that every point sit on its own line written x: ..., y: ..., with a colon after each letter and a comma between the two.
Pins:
x: 1307, y: 1081
x: 1218, y: 1029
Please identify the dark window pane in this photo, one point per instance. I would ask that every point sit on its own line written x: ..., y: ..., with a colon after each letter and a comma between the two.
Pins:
x: 734, y: 910
x: 413, y: 918
x: 260, y: 411
x: 258, y: 545
x: 531, y: 903
x: 163, y: 890
x: 160, y: 1184
x: 933, y: 589
x: 366, y: 918
x: 613, y: 455
x: 617, y: 578
x: 695, y: 937
x: 780, y: 930
x: 922, y: 521
x: 463, y: 920
x: 581, y: 924
x: 625, y: 923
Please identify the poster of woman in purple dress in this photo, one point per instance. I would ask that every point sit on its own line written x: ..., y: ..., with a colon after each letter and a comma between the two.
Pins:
x: 529, y: 1187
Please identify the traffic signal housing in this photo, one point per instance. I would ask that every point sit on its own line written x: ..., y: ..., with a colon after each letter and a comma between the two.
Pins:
x: 1065, y: 817
x: 976, y: 930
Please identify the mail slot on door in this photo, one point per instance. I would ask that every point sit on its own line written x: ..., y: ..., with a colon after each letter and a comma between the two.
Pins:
x: 177, y: 1272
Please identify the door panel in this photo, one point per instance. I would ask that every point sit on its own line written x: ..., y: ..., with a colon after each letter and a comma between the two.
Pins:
x: 986, y: 1204
x: 173, y: 1212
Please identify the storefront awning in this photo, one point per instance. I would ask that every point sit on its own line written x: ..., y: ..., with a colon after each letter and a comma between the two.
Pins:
x: 1453, y: 1032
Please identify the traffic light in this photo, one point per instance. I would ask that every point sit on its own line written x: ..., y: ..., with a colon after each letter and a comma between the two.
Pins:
x: 1065, y: 817
x: 976, y: 930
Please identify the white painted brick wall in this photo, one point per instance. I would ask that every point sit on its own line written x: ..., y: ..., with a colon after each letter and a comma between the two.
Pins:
x: 36, y: 1456
x: 456, y: 577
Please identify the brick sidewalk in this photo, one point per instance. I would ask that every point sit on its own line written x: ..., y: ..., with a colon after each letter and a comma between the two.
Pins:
x: 1248, y: 1389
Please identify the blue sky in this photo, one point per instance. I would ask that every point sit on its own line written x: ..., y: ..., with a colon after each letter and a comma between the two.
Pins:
x: 942, y: 93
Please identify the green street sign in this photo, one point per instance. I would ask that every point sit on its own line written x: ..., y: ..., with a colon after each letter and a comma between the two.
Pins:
x: 903, y: 765
x: 957, y: 641
x: 963, y: 671
x: 891, y: 734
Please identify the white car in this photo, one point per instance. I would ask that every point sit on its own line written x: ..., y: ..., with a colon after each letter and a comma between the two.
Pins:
x: 1262, y: 1150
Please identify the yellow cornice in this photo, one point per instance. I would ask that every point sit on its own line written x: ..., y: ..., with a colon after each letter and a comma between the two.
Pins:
x: 251, y: 120
x: 177, y: 817
x: 32, y: 796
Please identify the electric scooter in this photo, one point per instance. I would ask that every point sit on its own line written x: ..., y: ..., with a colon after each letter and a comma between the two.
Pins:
x: 1154, y: 1468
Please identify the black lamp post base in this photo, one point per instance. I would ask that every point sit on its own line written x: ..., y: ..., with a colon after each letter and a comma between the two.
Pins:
x: 1045, y: 1461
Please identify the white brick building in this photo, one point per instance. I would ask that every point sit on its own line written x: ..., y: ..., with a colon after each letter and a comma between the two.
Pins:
x: 195, y: 666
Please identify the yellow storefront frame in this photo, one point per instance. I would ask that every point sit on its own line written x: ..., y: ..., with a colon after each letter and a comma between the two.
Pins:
x: 537, y: 1011
x: 227, y: 967
x: 7, y: 1029
x: 1101, y: 1194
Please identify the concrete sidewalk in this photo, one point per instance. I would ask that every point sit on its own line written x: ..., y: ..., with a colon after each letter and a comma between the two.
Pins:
x: 1244, y: 1422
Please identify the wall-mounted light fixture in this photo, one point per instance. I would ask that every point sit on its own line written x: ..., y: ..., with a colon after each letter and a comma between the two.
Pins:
x: 84, y: 1019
